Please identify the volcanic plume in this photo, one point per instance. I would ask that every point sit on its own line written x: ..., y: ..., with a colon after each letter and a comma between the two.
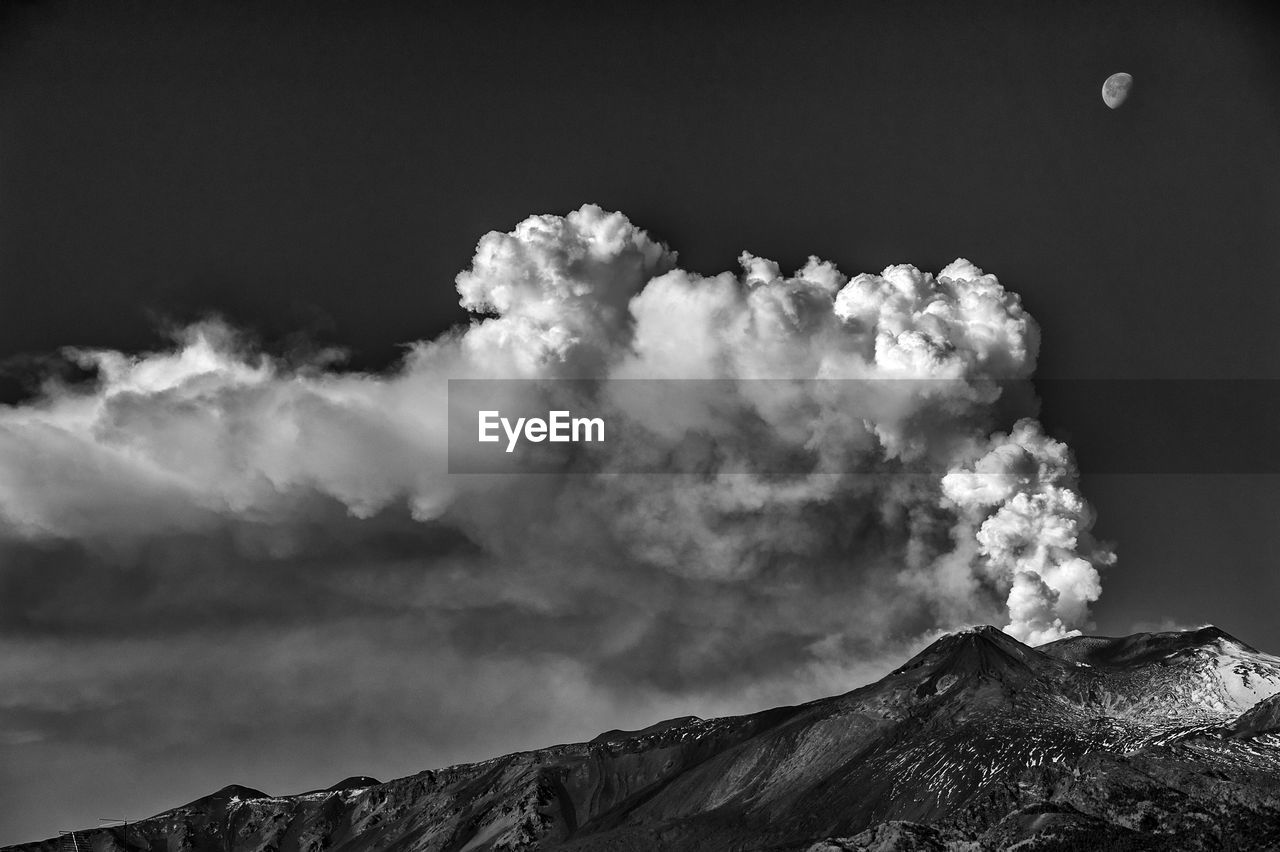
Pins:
x: 211, y: 433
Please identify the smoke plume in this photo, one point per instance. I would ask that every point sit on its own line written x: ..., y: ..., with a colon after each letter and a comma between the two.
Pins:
x: 924, y: 499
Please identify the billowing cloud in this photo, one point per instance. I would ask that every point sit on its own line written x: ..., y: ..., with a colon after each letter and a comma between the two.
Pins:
x: 212, y: 488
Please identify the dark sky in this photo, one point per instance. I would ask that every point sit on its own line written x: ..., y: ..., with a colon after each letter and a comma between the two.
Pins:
x: 318, y: 173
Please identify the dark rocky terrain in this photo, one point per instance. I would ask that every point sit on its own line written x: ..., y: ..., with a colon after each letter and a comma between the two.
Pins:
x: 1150, y: 742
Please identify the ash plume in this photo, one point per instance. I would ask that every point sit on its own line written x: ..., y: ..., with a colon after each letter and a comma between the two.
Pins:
x: 734, y: 577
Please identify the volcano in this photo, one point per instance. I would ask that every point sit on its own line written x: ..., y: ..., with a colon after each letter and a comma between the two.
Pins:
x: 979, y: 742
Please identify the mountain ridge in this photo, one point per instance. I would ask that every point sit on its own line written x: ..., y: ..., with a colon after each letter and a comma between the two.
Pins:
x: 977, y: 742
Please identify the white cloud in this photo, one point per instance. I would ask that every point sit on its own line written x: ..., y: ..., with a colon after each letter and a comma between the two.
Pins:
x: 923, y: 516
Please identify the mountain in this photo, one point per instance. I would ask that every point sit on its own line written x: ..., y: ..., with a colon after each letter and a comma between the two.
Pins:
x: 1148, y: 742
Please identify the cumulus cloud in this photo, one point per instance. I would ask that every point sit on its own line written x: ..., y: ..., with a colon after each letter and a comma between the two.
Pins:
x: 914, y: 493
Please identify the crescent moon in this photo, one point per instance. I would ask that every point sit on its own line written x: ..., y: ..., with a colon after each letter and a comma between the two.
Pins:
x: 1116, y: 89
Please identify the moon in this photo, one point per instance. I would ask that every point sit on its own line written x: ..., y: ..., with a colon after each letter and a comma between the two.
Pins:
x: 1116, y: 89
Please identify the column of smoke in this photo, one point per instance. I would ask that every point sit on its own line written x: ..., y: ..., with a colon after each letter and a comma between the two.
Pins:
x: 948, y: 511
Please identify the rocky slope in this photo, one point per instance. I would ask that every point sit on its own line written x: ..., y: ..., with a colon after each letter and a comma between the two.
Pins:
x: 1153, y: 741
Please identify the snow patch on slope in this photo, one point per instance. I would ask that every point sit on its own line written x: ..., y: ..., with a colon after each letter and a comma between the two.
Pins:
x: 1245, y: 677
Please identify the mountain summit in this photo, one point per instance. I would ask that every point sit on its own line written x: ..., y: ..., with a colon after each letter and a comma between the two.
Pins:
x: 979, y: 742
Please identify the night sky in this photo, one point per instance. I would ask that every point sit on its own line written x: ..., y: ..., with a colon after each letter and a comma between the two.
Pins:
x: 316, y: 174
